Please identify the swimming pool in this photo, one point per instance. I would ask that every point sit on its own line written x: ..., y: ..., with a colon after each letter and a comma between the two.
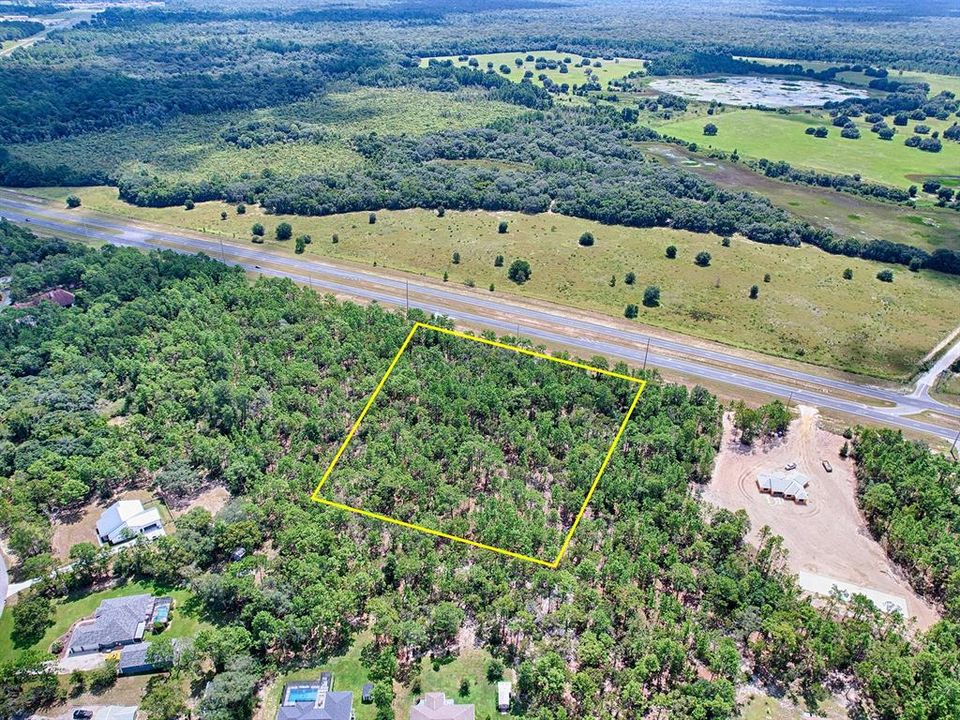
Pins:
x: 301, y: 694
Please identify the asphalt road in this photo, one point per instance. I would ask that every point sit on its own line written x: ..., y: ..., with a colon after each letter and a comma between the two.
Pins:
x: 590, y: 337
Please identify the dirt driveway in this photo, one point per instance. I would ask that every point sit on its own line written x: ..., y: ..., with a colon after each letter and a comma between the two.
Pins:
x: 827, y: 536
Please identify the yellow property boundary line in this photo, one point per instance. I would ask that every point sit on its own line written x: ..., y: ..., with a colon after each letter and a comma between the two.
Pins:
x: 315, y: 496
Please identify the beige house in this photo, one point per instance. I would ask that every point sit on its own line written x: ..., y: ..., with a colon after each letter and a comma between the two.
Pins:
x: 436, y: 706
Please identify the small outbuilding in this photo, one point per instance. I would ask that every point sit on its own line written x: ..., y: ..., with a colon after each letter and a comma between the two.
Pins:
x: 503, y: 696
x: 366, y: 696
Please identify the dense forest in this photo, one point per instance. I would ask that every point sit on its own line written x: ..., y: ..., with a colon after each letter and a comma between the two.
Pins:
x: 910, y: 499
x: 174, y: 372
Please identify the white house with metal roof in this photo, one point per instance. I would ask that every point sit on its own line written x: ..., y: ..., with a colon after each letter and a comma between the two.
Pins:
x: 126, y: 519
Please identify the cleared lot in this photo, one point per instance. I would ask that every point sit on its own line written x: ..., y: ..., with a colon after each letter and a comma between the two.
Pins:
x: 827, y: 536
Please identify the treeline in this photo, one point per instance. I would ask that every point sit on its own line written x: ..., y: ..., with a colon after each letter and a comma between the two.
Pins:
x: 18, y: 29
x: 783, y: 170
x: 47, y: 103
x: 911, y: 500
x: 662, y: 604
x: 578, y: 163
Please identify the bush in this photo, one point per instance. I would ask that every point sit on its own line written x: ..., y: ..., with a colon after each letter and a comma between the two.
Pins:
x: 284, y: 231
x: 498, y: 261
x: 519, y: 271
x: 630, y: 278
x: 631, y: 311
x: 851, y: 132
x: 372, y: 218
x: 456, y: 258
x: 73, y: 201
x: 766, y: 278
x: 754, y: 292
x: 885, y: 276
x: 725, y: 242
x: 241, y: 209
x: 502, y: 227
x: 223, y: 214
x: 710, y: 129
x: 651, y: 296
x: 441, y: 211
x: 335, y: 239
x: 915, y: 264
x: 848, y: 274
x: 586, y: 240
x: 189, y: 204
x: 821, y: 132
x: 671, y: 252
x: 702, y: 259
x: 258, y: 229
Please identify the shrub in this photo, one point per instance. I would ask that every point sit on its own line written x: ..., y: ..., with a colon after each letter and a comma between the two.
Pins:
x: 519, y: 271
x: 754, y: 292
x: 241, y: 209
x: 702, y: 259
x: 886, y: 133
x: 223, y: 215
x: 725, y: 242
x: 335, y: 239
x: 498, y: 261
x: 441, y: 211
x: 586, y: 240
x: 915, y: 264
x: 188, y: 204
x: 921, y: 129
x: 631, y: 311
x: 885, y: 276
x: 766, y: 277
x: 456, y: 258
x: 651, y: 296
x: 848, y: 274
x: 258, y: 229
x: 284, y: 231
x: 851, y: 132
x: 630, y: 278
x: 821, y: 132
x: 710, y: 129
x: 73, y: 201
x: 372, y: 218
x: 502, y: 227
x: 671, y: 252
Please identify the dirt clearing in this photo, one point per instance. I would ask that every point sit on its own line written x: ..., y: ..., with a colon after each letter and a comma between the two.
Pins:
x: 827, y: 536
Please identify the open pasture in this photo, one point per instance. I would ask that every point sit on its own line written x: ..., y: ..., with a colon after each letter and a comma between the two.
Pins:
x: 806, y: 311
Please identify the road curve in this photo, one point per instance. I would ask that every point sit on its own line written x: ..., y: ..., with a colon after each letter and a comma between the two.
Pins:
x: 615, y: 342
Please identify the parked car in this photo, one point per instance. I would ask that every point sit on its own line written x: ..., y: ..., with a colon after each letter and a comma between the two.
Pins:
x: 82, y: 715
x: 827, y: 466
x: 790, y: 466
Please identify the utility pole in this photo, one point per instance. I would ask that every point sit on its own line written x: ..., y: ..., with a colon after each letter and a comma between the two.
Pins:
x: 790, y: 397
x: 645, y: 354
x: 223, y: 259
x: 953, y: 447
x: 407, y: 285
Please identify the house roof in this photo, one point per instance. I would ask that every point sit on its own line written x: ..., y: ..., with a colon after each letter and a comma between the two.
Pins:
x: 135, y: 656
x: 58, y: 296
x: 123, y: 515
x: 116, y: 621
x: 115, y: 712
x: 329, y: 706
x: 436, y: 706
x: 793, y: 485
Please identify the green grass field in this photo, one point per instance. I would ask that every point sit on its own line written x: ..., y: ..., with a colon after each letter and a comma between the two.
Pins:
x: 807, y: 311
x: 184, y: 622
x: 758, y: 134
x: 926, y: 226
x: 608, y: 70
x: 190, y: 147
x: 470, y: 664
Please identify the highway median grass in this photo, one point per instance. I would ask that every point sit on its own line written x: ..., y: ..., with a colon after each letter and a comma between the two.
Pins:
x: 806, y: 312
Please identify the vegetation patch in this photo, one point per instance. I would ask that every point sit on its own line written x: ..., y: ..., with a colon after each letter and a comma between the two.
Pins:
x: 488, y: 444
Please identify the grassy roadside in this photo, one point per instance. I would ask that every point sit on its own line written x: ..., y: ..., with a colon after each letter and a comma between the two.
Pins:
x: 806, y: 312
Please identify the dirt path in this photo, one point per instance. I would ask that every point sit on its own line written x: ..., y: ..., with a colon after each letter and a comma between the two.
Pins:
x: 827, y: 536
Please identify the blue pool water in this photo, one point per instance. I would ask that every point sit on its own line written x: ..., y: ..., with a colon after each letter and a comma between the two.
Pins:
x: 162, y: 613
x: 302, y: 694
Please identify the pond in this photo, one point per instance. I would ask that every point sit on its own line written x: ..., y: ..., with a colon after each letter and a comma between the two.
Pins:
x: 750, y: 90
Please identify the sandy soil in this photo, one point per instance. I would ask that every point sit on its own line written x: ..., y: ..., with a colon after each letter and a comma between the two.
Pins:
x: 212, y: 500
x: 827, y: 536
x: 81, y: 526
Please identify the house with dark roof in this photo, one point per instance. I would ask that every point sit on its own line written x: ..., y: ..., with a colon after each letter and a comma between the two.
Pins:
x: 117, y: 622
x: 436, y: 706
x: 58, y: 296
x: 315, y: 701
x: 134, y: 659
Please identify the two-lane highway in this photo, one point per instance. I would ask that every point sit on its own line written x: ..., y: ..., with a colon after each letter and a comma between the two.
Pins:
x: 537, y: 321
